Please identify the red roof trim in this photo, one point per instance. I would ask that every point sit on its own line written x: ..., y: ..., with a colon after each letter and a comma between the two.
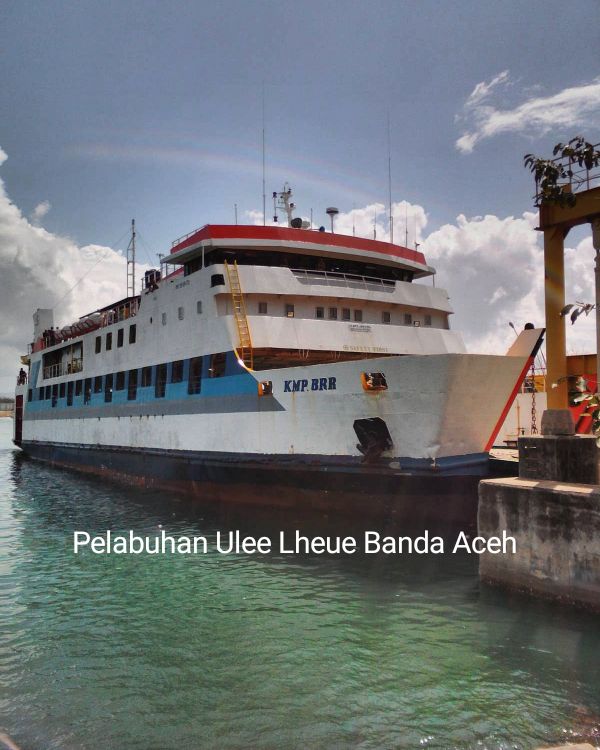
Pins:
x: 286, y: 234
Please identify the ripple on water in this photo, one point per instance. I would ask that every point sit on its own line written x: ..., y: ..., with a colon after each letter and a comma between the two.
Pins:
x: 263, y: 652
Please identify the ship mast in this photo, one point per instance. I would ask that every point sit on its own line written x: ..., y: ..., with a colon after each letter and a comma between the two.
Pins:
x: 131, y: 262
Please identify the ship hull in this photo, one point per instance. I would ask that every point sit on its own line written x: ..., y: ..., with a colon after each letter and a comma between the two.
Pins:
x: 415, y: 497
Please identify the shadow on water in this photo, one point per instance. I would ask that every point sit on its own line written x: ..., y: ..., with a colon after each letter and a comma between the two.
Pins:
x: 238, y: 651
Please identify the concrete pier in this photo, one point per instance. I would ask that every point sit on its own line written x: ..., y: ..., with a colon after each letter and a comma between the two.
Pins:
x: 557, y: 530
x: 552, y: 509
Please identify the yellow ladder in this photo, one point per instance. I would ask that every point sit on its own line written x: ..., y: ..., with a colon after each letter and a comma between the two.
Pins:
x: 241, y: 317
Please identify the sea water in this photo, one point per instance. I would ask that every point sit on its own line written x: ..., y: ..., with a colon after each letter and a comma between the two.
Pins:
x: 273, y: 650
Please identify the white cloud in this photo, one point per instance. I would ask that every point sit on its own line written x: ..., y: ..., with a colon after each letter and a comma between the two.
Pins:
x: 37, y: 269
x: 40, y: 211
x: 574, y: 107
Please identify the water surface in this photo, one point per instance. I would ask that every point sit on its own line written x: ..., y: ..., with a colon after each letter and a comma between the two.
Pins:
x: 237, y: 652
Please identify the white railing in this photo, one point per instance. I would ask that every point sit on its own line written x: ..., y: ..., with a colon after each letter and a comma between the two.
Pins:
x: 63, y: 368
x: 338, y: 278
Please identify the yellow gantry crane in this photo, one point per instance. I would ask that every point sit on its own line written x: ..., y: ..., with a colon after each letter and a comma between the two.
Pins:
x: 241, y: 316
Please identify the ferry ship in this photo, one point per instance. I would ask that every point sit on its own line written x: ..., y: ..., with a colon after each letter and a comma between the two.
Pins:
x: 275, y: 365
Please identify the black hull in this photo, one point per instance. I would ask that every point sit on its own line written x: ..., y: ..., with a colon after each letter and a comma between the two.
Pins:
x: 416, y: 499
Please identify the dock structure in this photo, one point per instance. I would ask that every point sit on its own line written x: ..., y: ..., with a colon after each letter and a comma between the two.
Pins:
x: 7, y: 406
x: 552, y: 509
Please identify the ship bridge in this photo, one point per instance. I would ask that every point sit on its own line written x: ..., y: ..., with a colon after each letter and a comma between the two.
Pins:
x: 296, y: 248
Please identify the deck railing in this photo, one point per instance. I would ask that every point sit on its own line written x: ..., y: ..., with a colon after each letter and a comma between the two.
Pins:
x: 338, y: 278
x: 63, y: 368
x: 578, y: 177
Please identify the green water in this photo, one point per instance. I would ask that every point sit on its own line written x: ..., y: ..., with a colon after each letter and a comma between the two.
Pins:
x: 269, y: 652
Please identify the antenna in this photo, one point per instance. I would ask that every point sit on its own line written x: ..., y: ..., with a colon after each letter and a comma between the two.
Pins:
x: 264, y: 195
x: 390, y: 178
x: 283, y: 201
x: 131, y: 262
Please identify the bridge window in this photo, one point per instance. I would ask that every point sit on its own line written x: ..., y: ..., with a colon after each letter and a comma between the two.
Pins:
x: 262, y: 308
x: 408, y: 319
x: 358, y: 315
x: 386, y: 317
x: 78, y: 387
x: 319, y: 313
x: 30, y: 394
x: 108, y: 342
x: 289, y: 311
x: 70, y: 393
x: 62, y: 390
x: 120, y: 337
x: 98, y: 344
x: 87, y: 391
x: 48, y: 392
x: 133, y: 332
x: 54, y: 395
x: 108, y: 387
x: 98, y: 384
x: 180, y: 313
x: 345, y: 313
x: 120, y: 381
x: 428, y: 320
x: 333, y: 313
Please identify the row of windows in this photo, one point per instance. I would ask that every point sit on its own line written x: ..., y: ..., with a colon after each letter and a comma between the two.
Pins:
x: 128, y: 380
x: 346, y: 314
x: 180, y: 313
x: 108, y: 339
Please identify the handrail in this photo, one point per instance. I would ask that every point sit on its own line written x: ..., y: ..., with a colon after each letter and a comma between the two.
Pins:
x: 578, y: 178
x: 336, y: 276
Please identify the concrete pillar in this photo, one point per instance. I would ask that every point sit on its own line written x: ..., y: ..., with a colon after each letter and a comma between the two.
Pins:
x: 556, y: 345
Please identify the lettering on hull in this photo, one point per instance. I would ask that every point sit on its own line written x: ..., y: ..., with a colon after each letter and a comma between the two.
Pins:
x: 312, y: 384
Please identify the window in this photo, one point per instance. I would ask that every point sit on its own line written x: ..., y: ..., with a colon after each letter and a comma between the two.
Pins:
x: 54, y: 395
x: 78, y: 387
x: 48, y: 392
x: 120, y: 381
x: 386, y: 317
x: 108, y: 342
x: 407, y: 319
x: 132, y: 385
x: 333, y: 313
x: 319, y: 312
x: 177, y: 371
x: 41, y: 392
x: 164, y: 319
x: 98, y: 384
x: 358, y: 316
x: 133, y: 333
x: 120, y: 337
x: 428, y: 320
x: 199, y: 307
x: 262, y: 308
x: 62, y: 390
x: 87, y: 391
x: 108, y: 387
x: 70, y: 386
x: 195, y: 376
x: 217, y: 365
x: 289, y: 311
x: 180, y: 313
x: 30, y: 394
x: 146, y: 377
x: 98, y: 344
x: 160, y: 386
x: 345, y: 313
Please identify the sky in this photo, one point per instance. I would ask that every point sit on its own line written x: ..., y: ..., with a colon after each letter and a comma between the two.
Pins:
x: 154, y: 111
